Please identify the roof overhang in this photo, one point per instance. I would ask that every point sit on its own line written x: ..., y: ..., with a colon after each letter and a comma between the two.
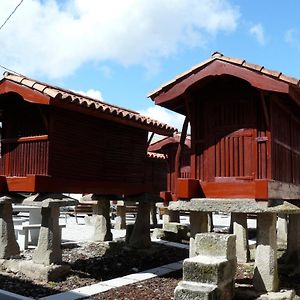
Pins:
x: 40, y: 93
x: 218, y: 68
x: 27, y: 94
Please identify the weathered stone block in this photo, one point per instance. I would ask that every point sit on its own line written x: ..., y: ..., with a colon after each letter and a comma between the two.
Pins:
x: 281, y: 295
x: 216, y: 245
x: 266, y: 272
x: 240, y: 230
x: 189, y: 290
x: 209, y: 270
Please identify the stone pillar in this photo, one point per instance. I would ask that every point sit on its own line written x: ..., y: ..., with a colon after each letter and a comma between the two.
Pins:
x: 282, y: 231
x: 8, y: 244
x: 120, y: 220
x: 170, y: 216
x: 210, y: 222
x: 102, y: 224
x: 48, y: 250
x: 265, y: 273
x: 199, y: 223
x: 209, y: 274
x: 153, y: 218
x: 293, y: 239
x: 240, y: 229
x: 140, y: 236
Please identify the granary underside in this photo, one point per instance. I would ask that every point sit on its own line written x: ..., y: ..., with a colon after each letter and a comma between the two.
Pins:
x: 245, y: 124
x: 54, y: 140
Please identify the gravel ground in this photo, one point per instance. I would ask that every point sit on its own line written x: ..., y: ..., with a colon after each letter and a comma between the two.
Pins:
x: 91, y: 263
x: 159, y: 288
x: 94, y: 262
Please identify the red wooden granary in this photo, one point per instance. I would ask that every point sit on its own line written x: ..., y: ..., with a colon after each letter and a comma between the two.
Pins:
x: 54, y: 140
x: 181, y: 169
x: 245, y: 129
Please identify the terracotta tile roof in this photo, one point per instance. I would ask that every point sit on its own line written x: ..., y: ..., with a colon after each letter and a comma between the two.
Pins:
x: 235, y: 61
x: 175, y: 139
x: 68, y: 96
x: 156, y: 155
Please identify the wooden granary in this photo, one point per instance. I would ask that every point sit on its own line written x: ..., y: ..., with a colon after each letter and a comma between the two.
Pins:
x: 245, y: 129
x: 55, y: 140
x: 177, y: 166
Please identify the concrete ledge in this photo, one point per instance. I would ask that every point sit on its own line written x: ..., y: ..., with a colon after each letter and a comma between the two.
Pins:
x: 235, y: 206
x: 11, y: 296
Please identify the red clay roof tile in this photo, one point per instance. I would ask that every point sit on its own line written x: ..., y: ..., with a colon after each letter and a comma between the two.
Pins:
x: 240, y: 62
x: 90, y: 103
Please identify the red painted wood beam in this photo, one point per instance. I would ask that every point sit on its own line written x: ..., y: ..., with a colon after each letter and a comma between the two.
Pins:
x: 218, y: 68
x: 27, y: 94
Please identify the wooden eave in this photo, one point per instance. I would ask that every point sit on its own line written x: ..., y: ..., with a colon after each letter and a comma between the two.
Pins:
x: 40, y: 93
x: 258, y: 76
x: 168, y: 141
x: 27, y: 94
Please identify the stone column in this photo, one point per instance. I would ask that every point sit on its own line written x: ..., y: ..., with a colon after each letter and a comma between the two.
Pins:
x: 102, y: 229
x: 282, y: 231
x: 199, y: 224
x: 240, y: 229
x: 120, y: 220
x: 8, y: 244
x: 293, y: 239
x: 140, y: 236
x: 265, y: 272
x: 153, y: 218
x: 48, y: 250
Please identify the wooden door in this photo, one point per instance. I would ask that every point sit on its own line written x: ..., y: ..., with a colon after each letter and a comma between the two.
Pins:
x: 229, y: 143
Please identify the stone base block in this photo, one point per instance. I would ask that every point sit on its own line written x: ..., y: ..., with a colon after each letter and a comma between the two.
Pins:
x: 282, y: 295
x: 209, y: 270
x: 187, y: 290
x: 158, y: 233
x: 35, y: 271
x: 176, y: 231
x: 190, y: 290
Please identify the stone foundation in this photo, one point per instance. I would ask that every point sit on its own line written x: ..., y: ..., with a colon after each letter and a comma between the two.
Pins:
x: 209, y: 274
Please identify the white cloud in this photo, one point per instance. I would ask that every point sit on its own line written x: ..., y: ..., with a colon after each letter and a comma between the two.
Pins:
x: 54, y: 39
x: 165, y: 116
x: 292, y: 37
x: 258, y: 32
x: 95, y: 94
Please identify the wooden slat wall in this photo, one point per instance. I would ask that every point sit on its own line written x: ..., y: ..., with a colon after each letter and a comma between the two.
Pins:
x: 24, y: 145
x: 285, y: 143
x: 86, y: 148
x: 224, y: 131
x: 156, y: 173
x: 27, y: 158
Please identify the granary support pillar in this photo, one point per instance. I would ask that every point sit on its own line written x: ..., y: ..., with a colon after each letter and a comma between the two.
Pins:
x: 282, y: 231
x: 102, y: 224
x: 48, y: 250
x: 140, y: 235
x: 293, y: 239
x: 8, y: 244
x: 101, y: 217
x: 120, y: 220
x: 199, y: 224
x: 266, y: 271
x: 240, y: 229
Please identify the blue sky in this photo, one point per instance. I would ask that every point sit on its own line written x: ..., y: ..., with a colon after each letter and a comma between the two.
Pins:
x: 123, y: 49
